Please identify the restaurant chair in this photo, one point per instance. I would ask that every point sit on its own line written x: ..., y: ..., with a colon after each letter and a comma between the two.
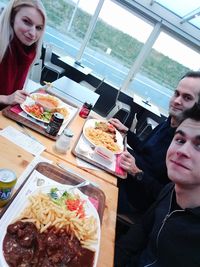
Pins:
x: 149, y: 124
x: 124, y: 222
x: 91, y: 87
x: 88, y: 85
x: 120, y: 106
x: 36, y: 71
x: 134, y: 124
x: 125, y: 219
x: 48, y: 64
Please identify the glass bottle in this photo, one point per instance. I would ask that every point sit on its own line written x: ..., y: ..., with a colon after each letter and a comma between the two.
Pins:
x: 85, y: 110
x: 63, y: 142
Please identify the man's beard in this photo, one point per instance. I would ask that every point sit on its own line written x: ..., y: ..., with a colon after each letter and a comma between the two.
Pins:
x: 177, y: 117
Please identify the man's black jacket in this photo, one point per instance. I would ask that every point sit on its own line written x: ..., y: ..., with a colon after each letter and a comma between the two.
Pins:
x: 167, y: 237
x: 150, y: 157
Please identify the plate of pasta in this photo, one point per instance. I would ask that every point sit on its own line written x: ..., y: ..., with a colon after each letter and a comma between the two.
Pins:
x: 52, y: 225
x: 102, y: 133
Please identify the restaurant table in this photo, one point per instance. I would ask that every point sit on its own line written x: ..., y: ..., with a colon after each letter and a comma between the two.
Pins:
x: 146, y: 105
x: 76, y: 65
x: 76, y: 127
x: 17, y: 159
x: 73, y: 91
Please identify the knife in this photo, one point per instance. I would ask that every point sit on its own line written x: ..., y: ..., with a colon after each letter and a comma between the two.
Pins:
x: 125, y: 142
x: 25, y: 131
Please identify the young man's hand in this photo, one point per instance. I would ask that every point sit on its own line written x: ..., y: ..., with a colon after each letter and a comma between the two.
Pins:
x: 127, y: 162
x: 118, y: 125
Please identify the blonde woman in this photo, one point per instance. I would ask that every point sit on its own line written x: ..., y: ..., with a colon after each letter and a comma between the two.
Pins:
x: 22, y: 25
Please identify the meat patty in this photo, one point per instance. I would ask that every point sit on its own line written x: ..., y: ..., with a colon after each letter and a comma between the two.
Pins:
x: 25, y: 246
x: 107, y: 128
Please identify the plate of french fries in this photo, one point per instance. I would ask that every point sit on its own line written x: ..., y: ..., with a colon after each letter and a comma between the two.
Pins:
x: 102, y: 133
x: 54, y: 207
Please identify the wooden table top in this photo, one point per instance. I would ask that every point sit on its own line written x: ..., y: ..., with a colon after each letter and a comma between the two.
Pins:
x: 17, y: 159
x: 76, y: 127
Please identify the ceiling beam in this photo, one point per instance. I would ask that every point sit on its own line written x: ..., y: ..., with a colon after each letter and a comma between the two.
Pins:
x: 186, y: 32
x: 195, y: 13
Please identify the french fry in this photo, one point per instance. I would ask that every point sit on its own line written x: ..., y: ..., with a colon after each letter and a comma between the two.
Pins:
x: 99, y: 137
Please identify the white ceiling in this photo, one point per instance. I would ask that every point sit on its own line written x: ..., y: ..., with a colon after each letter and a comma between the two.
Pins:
x: 178, y: 17
x: 188, y: 10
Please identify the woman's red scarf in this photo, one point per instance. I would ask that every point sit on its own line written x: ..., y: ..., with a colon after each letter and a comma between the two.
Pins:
x: 15, y: 66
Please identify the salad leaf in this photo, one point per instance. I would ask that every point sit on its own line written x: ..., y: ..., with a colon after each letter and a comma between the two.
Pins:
x: 69, y: 201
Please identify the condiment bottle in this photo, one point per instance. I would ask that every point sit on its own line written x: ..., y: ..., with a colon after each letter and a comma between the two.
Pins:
x: 63, y: 142
x: 85, y: 110
x: 7, y: 182
x: 55, y: 124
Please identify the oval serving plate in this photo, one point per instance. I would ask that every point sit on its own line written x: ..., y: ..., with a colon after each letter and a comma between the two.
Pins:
x: 91, y: 124
x: 21, y: 204
x: 33, y: 100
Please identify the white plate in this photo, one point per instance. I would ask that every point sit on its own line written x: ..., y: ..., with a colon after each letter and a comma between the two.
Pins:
x: 92, y: 122
x: 21, y: 201
x: 30, y: 101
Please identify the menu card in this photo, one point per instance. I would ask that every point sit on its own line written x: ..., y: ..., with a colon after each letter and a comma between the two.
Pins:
x: 22, y: 140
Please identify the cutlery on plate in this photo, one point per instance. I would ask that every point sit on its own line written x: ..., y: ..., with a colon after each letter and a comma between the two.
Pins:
x: 82, y: 184
x: 59, y: 193
x: 64, y: 167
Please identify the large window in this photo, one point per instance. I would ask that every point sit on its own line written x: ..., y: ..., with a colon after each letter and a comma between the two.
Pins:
x: 110, y: 36
x: 167, y: 62
x: 115, y: 43
x: 68, y: 23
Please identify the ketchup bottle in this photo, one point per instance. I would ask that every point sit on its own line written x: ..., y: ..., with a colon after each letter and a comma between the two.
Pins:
x: 85, y: 110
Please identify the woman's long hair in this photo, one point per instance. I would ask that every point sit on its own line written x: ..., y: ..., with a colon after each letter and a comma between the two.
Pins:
x: 6, y: 20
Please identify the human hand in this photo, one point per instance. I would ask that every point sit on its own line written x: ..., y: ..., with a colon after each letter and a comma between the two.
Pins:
x: 118, y: 125
x: 18, y: 97
x: 127, y: 162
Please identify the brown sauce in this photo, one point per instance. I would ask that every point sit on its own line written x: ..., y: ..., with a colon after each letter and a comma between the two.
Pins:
x: 24, y: 246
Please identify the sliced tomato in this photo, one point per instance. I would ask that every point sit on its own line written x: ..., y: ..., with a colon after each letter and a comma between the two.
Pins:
x: 35, y: 110
x: 76, y: 205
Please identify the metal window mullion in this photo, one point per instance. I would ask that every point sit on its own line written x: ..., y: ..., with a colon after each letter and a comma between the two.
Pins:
x: 90, y: 30
x: 191, y: 15
x: 73, y: 15
x: 142, y: 55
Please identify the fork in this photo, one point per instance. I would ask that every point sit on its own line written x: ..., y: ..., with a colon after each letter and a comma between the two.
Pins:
x: 59, y: 193
x: 82, y: 184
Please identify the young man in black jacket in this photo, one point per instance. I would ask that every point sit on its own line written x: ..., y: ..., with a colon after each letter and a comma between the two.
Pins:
x: 145, y: 163
x: 169, y: 235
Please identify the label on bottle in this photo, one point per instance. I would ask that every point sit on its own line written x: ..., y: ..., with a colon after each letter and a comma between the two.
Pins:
x: 5, y: 193
x: 7, y: 182
x: 85, y: 110
x: 55, y: 124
